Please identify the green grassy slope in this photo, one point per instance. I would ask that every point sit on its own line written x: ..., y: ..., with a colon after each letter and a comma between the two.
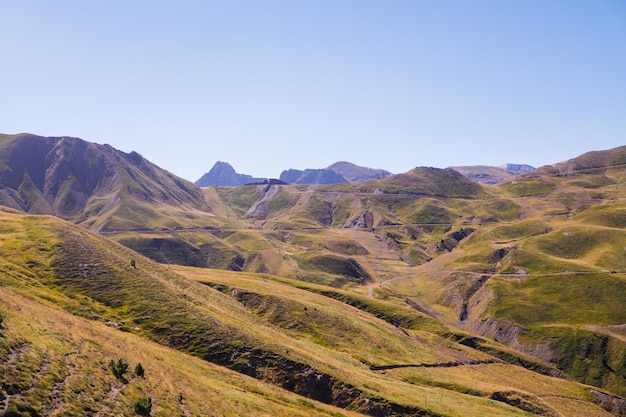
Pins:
x: 304, y: 351
x: 553, y: 281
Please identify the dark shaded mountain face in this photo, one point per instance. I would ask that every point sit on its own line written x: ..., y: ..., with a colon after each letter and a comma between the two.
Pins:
x: 63, y: 175
x: 223, y: 173
x: 312, y: 176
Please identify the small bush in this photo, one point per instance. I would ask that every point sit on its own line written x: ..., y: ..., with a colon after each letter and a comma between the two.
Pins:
x: 143, y: 406
x: 119, y: 368
x: 139, y: 370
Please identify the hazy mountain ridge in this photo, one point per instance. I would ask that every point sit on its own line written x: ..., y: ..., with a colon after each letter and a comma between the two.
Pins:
x: 312, y: 176
x: 356, y: 173
x: 493, y: 175
x: 224, y: 174
x: 593, y: 160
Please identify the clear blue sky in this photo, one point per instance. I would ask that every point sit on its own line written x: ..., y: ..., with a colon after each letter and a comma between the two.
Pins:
x: 272, y: 85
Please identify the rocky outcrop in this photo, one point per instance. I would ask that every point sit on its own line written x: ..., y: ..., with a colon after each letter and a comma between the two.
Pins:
x: 364, y: 221
x: 261, y: 207
x: 519, y: 168
x: 611, y: 403
x: 452, y: 240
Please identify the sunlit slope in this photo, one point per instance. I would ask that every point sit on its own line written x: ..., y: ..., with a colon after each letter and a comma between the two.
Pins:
x: 109, y: 191
x: 118, y: 304
x: 549, y: 281
x: 54, y: 363
x: 370, y: 231
x: 422, y: 357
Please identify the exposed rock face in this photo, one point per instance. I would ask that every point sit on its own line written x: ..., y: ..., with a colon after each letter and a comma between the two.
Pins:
x: 260, y: 208
x: 452, y: 240
x: 611, y: 403
x: 312, y: 176
x: 223, y: 173
x: 73, y: 179
x: 365, y: 221
x: 519, y: 168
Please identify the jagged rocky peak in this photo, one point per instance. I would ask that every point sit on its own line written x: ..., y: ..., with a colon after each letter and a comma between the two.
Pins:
x: 223, y: 173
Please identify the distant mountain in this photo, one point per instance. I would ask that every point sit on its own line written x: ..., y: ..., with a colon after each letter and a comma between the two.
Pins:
x: 595, y: 160
x: 425, y: 181
x: 85, y: 182
x: 493, y: 175
x: 312, y: 176
x: 336, y: 173
x: 223, y: 173
x: 536, y: 263
x: 355, y: 173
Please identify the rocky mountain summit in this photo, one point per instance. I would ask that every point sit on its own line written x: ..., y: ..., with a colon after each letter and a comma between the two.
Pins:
x: 223, y: 173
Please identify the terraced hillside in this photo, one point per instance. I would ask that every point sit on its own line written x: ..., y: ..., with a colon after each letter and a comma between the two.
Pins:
x: 80, y: 313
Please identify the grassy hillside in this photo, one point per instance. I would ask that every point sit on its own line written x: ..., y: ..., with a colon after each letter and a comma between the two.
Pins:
x: 525, y: 278
x: 218, y: 343
x: 548, y: 279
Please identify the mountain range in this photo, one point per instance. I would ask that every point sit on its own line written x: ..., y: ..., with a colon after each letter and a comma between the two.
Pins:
x: 423, y: 293
x: 223, y: 173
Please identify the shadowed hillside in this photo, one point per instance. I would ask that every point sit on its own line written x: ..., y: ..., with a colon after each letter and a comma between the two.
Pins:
x: 86, y: 182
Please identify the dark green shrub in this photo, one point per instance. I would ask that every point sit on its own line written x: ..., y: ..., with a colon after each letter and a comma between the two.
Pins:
x: 119, y: 368
x: 139, y: 370
x: 143, y: 406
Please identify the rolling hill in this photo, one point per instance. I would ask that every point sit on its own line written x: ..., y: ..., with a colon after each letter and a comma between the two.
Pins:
x: 76, y: 307
x: 524, y: 278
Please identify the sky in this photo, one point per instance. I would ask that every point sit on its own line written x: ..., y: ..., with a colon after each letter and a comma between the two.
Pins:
x: 293, y: 84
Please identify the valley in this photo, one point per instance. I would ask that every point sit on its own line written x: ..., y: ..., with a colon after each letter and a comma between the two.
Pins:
x: 424, y: 293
